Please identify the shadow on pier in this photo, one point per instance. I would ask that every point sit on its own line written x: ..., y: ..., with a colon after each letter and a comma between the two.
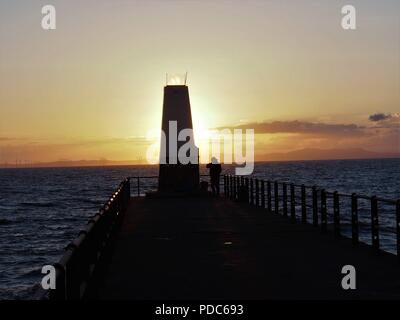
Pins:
x: 215, y: 248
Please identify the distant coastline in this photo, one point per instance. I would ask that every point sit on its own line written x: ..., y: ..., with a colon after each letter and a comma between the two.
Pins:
x: 297, y: 155
x: 327, y: 154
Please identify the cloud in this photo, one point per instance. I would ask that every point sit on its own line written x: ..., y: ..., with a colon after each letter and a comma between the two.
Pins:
x: 304, y: 127
x: 379, y: 117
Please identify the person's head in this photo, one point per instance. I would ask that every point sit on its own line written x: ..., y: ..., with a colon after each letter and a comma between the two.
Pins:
x: 214, y: 160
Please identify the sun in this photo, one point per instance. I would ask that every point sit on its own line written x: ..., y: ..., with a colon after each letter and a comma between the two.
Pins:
x: 200, y: 131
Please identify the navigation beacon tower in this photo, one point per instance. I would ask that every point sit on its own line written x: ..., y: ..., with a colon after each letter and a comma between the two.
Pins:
x: 175, y: 176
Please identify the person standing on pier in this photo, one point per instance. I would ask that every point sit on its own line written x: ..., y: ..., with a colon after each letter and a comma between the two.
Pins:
x: 215, y: 172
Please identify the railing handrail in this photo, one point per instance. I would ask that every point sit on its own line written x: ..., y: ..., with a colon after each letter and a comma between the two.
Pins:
x: 138, y: 180
x: 241, y: 188
x: 343, y: 194
x: 280, y: 182
x: 82, y: 256
x: 156, y: 177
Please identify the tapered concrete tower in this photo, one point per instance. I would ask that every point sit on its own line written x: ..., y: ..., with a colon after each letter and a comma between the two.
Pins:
x: 177, y: 174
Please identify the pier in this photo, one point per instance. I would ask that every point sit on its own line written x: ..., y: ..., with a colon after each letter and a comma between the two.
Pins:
x: 259, y: 240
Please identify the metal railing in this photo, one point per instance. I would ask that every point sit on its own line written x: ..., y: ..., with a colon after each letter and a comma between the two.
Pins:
x: 136, y: 185
x: 80, y: 263
x: 141, y: 184
x: 295, y: 201
x: 84, y: 256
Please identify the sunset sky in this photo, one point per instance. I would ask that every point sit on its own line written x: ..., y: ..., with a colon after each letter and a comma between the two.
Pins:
x: 93, y: 87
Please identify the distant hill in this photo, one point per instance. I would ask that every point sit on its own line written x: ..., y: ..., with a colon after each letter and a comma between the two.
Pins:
x: 78, y: 163
x: 325, y: 154
x: 297, y: 155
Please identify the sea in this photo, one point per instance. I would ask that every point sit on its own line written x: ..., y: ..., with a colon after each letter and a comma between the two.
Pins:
x: 43, y: 209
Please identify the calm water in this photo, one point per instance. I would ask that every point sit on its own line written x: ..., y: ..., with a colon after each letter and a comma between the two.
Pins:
x: 41, y: 210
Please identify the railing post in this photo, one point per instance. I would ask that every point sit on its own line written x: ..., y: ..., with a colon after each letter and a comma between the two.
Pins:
x: 374, y: 222
x: 251, y: 191
x: 257, y: 193
x: 229, y: 185
x: 354, y: 218
x: 398, y: 227
x: 129, y: 188
x: 303, y: 204
x: 72, y: 278
x: 269, y: 199
x: 127, y: 193
x: 276, y: 196
x: 225, y: 185
x: 292, y: 202
x: 234, y: 188
x: 248, y: 189
x: 231, y: 192
x: 237, y: 187
x: 336, y: 214
x: 285, y: 211
x: 315, y: 205
x: 138, y: 186
x: 241, y: 181
x: 324, y: 218
x: 263, y: 194
x: 229, y: 177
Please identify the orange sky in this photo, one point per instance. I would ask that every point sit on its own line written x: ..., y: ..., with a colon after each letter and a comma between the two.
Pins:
x: 92, y: 88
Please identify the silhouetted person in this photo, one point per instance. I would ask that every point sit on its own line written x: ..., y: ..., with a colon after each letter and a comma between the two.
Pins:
x: 215, y: 172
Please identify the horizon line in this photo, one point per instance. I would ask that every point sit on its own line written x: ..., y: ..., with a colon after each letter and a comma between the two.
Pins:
x: 114, y: 163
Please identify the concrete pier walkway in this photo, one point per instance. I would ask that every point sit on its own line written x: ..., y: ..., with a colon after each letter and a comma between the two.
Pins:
x: 213, y: 248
